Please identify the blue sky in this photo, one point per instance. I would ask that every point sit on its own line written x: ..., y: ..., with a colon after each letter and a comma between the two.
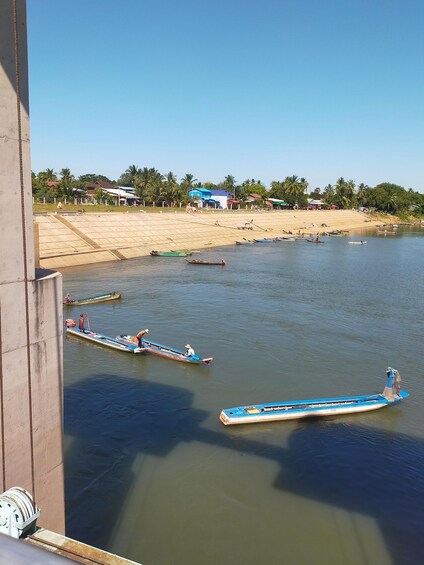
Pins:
x: 255, y: 89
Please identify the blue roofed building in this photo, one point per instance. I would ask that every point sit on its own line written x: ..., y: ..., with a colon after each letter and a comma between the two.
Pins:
x: 205, y: 198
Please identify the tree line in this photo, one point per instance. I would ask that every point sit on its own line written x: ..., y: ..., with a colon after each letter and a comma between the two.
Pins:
x: 152, y: 187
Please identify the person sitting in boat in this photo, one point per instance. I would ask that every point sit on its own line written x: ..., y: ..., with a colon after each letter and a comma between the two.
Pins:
x: 67, y: 299
x: 140, y: 337
x: 223, y: 262
x: 189, y: 351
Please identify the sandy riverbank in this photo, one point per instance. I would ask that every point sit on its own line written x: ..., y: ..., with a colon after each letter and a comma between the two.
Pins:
x: 66, y: 240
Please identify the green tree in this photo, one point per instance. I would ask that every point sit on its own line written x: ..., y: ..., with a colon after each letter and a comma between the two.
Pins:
x: 187, y: 182
x: 171, y: 191
x: 130, y: 177
x: 67, y: 182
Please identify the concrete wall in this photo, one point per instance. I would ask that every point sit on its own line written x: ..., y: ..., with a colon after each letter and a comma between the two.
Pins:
x: 30, y: 301
x: 68, y: 240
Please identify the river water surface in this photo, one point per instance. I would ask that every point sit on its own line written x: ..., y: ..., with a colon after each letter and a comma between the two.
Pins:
x: 152, y: 474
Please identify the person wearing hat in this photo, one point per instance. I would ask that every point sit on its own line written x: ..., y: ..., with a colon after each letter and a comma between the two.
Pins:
x: 189, y: 350
x: 140, y: 336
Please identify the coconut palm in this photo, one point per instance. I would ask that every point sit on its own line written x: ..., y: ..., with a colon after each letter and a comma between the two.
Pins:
x: 67, y: 181
x: 188, y: 182
x: 130, y: 177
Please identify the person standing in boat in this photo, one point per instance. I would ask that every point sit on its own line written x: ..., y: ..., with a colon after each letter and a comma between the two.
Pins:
x: 140, y: 337
x: 189, y: 351
x: 81, y: 323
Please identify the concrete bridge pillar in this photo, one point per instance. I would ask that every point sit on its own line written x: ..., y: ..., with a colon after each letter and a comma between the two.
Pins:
x: 31, y: 371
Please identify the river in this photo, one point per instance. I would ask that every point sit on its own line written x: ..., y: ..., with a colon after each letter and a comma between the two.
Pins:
x: 152, y: 474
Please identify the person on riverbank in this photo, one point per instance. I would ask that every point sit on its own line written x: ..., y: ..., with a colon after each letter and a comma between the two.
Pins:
x: 140, y: 337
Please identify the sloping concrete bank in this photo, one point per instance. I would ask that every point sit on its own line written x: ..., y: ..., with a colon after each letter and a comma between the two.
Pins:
x: 68, y: 240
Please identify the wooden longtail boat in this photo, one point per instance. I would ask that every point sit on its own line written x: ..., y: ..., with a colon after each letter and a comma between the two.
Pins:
x: 165, y: 351
x: 289, y: 410
x: 105, y: 340
x: 204, y: 262
x: 170, y: 253
x: 92, y: 299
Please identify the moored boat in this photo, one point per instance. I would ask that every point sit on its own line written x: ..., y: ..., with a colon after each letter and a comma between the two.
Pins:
x: 317, y: 407
x: 170, y: 253
x: 92, y: 299
x: 314, y: 240
x: 165, y: 351
x: 204, y: 262
x: 247, y: 242
x: 105, y: 340
x: 337, y: 233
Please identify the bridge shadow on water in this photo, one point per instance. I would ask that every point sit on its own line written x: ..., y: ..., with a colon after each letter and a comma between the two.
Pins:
x: 112, y: 420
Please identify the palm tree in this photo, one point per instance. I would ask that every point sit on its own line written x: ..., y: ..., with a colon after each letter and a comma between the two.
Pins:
x: 67, y: 181
x: 131, y: 176
x: 50, y: 175
x: 188, y: 181
x: 362, y: 193
x: 345, y: 191
x: 328, y: 195
x: 229, y: 184
x: 149, y: 185
x: 171, y: 190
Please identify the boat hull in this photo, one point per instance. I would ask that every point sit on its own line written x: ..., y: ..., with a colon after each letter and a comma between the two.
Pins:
x: 94, y: 299
x: 171, y: 253
x: 298, y: 409
x: 201, y: 262
x: 105, y: 341
x: 166, y: 352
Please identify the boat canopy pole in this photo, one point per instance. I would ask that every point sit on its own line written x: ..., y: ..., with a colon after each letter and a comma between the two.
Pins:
x: 392, y: 388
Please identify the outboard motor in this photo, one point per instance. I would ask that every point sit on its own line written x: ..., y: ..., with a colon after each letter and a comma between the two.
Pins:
x: 18, y: 513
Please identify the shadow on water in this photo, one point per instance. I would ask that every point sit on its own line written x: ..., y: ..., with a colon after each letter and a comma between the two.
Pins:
x: 112, y: 420
x: 338, y: 475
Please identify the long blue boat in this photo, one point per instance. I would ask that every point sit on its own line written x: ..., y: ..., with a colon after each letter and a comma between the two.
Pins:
x: 105, y: 340
x: 165, y: 351
x: 290, y: 410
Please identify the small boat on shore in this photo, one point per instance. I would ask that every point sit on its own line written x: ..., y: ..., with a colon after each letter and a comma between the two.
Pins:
x: 265, y: 240
x: 290, y: 410
x: 92, y: 299
x: 165, y: 351
x: 105, y: 340
x: 170, y: 253
x: 337, y: 233
x: 248, y: 242
x: 204, y: 262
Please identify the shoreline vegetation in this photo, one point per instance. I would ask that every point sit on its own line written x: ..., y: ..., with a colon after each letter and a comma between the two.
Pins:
x: 72, y: 237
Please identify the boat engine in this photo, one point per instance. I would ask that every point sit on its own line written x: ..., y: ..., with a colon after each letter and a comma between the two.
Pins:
x: 18, y: 513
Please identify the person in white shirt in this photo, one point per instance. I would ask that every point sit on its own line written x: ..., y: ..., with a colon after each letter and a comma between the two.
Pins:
x: 189, y: 350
